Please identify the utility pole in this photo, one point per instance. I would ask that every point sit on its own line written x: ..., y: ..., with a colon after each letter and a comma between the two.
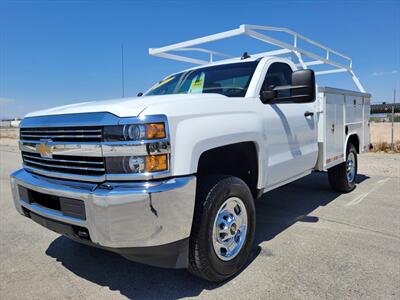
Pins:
x: 394, y: 101
x: 122, y: 71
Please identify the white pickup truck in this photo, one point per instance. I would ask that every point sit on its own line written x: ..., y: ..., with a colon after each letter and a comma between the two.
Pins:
x: 170, y: 178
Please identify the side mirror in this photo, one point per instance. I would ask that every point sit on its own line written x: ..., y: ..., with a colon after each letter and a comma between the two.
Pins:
x: 267, y: 96
x: 301, y: 90
x: 140, y: 94
x: 303, y: 86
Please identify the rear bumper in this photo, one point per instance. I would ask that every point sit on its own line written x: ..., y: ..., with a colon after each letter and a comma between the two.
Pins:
x: 117, y: 214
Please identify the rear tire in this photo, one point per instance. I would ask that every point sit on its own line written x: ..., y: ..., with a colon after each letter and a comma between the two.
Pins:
x: 342, y: 177
x: 223, y: 228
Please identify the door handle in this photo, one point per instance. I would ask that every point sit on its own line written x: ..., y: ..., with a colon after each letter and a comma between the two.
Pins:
x: 308, y: 114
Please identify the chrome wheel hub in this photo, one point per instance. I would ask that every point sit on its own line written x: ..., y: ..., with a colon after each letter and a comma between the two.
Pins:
x: 351, y: 167
x: 230, y: 229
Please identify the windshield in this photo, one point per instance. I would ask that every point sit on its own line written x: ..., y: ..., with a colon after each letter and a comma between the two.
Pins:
x: 231, y: 80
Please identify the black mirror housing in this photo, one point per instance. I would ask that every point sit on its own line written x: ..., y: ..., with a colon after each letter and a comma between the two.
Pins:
x: 268, y: 96
x: 305, y: 79
x: 302, y: 89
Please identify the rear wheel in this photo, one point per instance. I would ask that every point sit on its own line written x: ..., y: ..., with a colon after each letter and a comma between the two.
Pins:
x: 223, y: 228
x: 342, y: 177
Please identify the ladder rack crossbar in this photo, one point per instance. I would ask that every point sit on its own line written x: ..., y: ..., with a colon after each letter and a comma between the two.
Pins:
x: 253, y: 31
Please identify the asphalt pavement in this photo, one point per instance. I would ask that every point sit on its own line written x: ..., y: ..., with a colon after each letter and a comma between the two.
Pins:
x: 311, y: 243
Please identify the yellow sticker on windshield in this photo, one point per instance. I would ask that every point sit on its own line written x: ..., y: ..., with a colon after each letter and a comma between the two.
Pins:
x: 162, y: 82
x: 197, y: 84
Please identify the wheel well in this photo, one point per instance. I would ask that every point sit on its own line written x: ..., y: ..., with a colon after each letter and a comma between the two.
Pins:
x: 238, y: 160
x: 353, y: 139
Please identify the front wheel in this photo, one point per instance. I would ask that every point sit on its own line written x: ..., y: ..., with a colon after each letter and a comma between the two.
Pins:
x: 223, y: 228
x: 342, y: 177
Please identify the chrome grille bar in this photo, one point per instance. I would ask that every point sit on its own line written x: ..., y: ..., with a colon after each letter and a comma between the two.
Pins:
x: 63, y: 167
x: 38, y: 130
x: 70, y: 134
x: 63, y: 160
x: 60, y: 136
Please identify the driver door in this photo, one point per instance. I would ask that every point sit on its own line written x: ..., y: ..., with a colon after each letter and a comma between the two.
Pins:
x: 291, y: 134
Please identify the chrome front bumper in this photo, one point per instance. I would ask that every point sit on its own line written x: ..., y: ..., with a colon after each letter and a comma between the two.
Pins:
x: 118, y: 214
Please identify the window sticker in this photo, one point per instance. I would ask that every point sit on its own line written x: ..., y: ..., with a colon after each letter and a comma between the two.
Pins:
x: 197, y: 84
x: 162, y: 82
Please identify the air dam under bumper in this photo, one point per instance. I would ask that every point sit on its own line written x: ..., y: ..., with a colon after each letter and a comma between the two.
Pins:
x: 139, y: 220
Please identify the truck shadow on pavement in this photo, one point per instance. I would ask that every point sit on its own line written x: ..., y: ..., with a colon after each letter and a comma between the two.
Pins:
x: 276, y: 211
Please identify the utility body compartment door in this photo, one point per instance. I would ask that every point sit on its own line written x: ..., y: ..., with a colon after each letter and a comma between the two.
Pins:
x: 341, y: 114
x: 334, y: 131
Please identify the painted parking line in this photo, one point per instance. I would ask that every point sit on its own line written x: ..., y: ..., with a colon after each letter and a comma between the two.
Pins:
x: 359, y: 198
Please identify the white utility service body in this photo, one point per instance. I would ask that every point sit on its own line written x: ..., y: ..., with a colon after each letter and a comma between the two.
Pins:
x: 128, y: 174
x: 342, y: 114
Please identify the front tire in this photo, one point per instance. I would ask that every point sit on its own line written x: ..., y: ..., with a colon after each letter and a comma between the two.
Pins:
x: 342, y: 177
x: 223, y: 228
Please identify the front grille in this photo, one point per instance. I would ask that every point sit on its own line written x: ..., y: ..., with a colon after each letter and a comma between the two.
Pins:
x: 62, y: 134
x: 81, y: 165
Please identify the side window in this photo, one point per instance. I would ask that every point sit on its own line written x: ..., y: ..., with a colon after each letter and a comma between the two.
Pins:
x: 278, y: 74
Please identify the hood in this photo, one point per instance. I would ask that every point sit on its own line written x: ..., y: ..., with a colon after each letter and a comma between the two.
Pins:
x: 123, y: 107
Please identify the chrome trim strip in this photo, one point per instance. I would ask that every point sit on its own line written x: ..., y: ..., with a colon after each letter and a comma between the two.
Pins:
x: 103, y: 149
x: 124, y: 150
x: 129, y: 149
x: 135, y: 143
x: 64, y: 160
x: 62, y: 148
x: 64, y: 167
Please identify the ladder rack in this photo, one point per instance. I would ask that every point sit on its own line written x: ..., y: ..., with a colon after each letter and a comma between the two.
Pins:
x: 253, y: 32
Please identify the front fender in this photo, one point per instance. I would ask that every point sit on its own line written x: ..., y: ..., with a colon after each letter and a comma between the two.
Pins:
x: 194, y: 135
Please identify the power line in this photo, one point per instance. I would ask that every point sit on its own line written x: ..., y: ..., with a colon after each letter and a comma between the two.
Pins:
x: 122, y: 71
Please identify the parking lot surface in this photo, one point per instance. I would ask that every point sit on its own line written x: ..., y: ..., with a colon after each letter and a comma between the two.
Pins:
x: 311, y: 243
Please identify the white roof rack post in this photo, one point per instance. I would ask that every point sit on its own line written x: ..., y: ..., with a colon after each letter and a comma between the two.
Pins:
x: 357, y: 81
x: 253, y: 32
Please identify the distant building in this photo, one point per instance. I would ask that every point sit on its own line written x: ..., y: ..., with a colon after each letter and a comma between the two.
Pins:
x: 15, y: 122
x: 10, y: 123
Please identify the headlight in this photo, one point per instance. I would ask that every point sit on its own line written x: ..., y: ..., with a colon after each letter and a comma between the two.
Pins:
x: 137, y: 164
x: 135, y: 132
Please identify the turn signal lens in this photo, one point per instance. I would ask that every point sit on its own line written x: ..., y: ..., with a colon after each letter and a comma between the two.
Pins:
x: 155, y: 131
x: 155, y: 163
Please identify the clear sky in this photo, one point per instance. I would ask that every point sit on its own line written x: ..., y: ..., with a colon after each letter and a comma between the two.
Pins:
x: 60, y: 52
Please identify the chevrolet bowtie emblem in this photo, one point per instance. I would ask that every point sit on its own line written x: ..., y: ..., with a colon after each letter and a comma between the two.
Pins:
x: 44, y: 150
